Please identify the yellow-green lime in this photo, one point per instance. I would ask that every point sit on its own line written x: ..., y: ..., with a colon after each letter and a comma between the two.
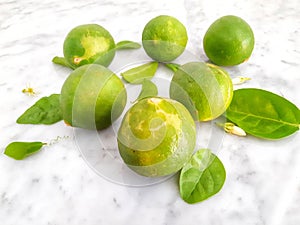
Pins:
x: 92, y: 97
x: 229, y: 41
x: 164, y: 38
x: 206, y: 90
x: 89, y: 43
x: 157, y: 136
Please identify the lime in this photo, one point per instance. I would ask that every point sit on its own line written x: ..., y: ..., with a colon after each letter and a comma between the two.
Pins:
x: 157, y: 136
x: 228, y: 41
x: 164, y: 38
x: 205, y: 89
x: 89, y: 43
x: 92, y: 97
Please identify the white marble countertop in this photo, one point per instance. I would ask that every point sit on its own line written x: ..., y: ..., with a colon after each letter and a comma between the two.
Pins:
x: 57, y: 187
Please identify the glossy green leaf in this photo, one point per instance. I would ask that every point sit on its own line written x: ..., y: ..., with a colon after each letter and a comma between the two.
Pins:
x: 20, y: 150
x: 263, y: 114
x: 45, y: 111
x: 149, y: 89
x: 202, y: 177
x: 137, y: 75
x: 127, y: 45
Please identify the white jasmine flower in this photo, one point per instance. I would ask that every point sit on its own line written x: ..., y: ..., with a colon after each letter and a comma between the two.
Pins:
x: 233, y: 129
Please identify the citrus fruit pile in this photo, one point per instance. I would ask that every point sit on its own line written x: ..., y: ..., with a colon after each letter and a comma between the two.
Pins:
x: 157, y: 135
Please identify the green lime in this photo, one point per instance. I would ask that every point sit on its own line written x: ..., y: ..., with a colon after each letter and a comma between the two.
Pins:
x: 164, y: 38
x: 205, y: 89
x: 228, y: 41
x: 89, y: 43
x: 92, y: 97
x: 157, y: 136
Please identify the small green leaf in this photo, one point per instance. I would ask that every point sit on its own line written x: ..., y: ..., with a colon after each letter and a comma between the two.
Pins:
x: 20, y: 150
x: 61, y: 61
x: 149, y: 89
x: 172, y: 66
x: 263, y: 114
x: 138, y: 74
x: 202, y: 177
x: 45, y: 111
x: 127, y: 45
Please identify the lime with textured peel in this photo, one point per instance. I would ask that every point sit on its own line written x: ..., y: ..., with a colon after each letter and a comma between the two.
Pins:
x: 229, y: 41
x: 157, y: 137
x: 89, y: 43
x: 205, y: 89
x: 164, y: 38
x: 92, y: 97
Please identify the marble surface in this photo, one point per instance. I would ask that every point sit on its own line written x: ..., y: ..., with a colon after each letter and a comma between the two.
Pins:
x: 58, y: 187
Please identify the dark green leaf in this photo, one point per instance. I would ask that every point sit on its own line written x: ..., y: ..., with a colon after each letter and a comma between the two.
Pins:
x: 45, y: 111
x: 61, y: 61
x: 20, y: 150
x: 127, y: 45
x: 202, y: 177
x: 149, y: 89
x: 263, y: 114
x: 137, y: 75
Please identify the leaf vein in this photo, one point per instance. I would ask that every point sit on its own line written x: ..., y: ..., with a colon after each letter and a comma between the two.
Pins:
x: 265, y: 118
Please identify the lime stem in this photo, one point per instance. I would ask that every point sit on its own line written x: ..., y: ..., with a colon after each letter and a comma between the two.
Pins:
x: 172, y: 66
x: 240, y: 80
x: 61, y: 61
x: 220, y: 124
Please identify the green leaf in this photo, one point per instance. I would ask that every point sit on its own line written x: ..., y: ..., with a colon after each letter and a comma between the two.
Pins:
x: 127, y: 45
x: 61, y: 61
x: 20, y: 150
x: 263, y: 114
x: 138, y: 74
x: 149, y: 89
x: 202, y: 177
x: 172, y: 66
x: 45, y: 111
